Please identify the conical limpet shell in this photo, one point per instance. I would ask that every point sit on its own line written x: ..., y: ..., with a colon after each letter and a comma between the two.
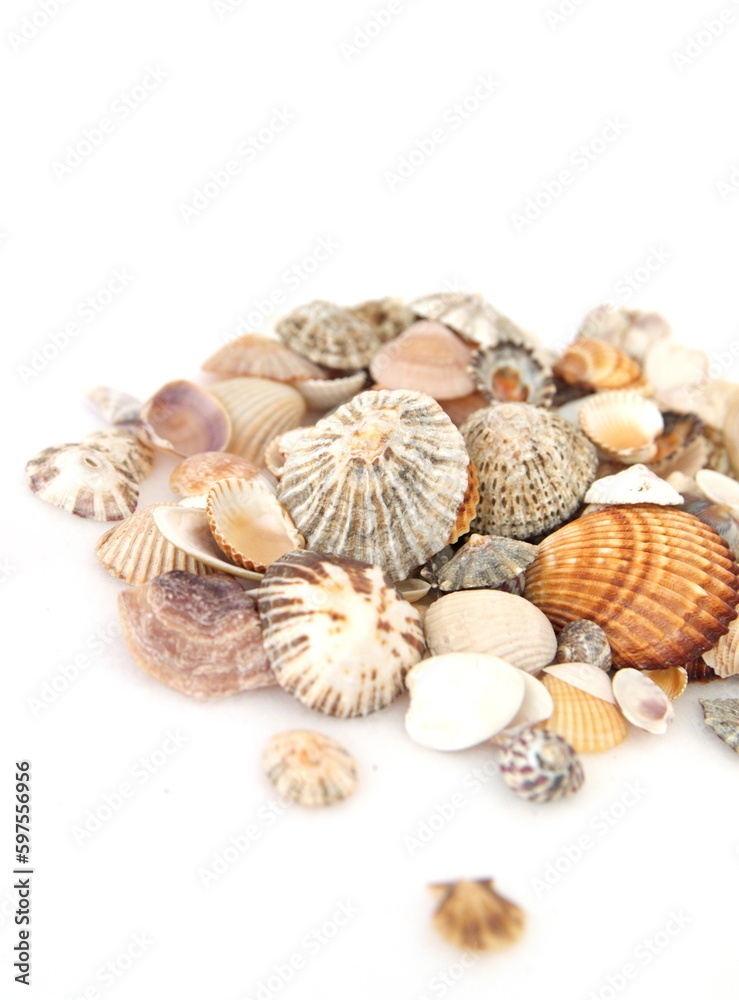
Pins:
x: 623, y: 424
x: 428, y: 357
x: 471, y: 915
x: 195, y: 475
x: 188, y: 529
x: 262, y: 357
x: 259, y: 410
x: 469, y: 315
x: 83, y: 481
x: 597, y: 364
x: 114, y: 406
x: 509, y: 372
x: 583, y: 641
x: 636, y: 484
x: 338, y: 636
x: 485, y: 561
x: 722, y: 715
x: 309, y: 768
x: 538, y: 765
x: 388, y: 317
x: 672, y: 680
x: 329, y: 335
x: 184, y: 418
x: 324, y: 395
x: 200, y: 635
x: 589, y: 724
x: 642, y: 702
x: 125, y: 448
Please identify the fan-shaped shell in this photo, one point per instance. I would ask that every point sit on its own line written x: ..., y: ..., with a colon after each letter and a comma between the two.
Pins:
x: 184, y: 418
x: 309, y: 768
x: 533, y: 466
x: 597, y: 364
x: 672, y: 680
x: 485, y: 561
x: 633, y: 330
x: 259, y: 410
x: 660, y: 583
x: 113, y: 405
x: 262, y: 357
x: 195, y: 475
x: 279, y: 448
x: 509, y: 372
x: 83, y: 481
x: 125, y: 448
x: 329, y: 335
x: 623, y: 424
x: 428, y: 358
x: 381, y: 480
x: 473, y: 917
x: 538, y: 765
x: 724, y: 657
x: 188, y: 529
x: 388, y: 317
x: 636, y: 484
x: 472, y: 317
x: 322, y: 395
x: 589, y: 724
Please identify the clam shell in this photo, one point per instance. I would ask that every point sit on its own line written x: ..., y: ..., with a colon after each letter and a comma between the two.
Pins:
x: 537, y: 705
x: 636, y: 484
x: 485, y: 561
x: 324, y: 395
x: 472, y: 317
x: 589, y: 724
x: 413, y: 589
x: 508, y: 372
x: 722, y: 715
x: 597, y: 364
x: 380, y: 480
x: 718, y: 488
x: 125, y: 448
x: 388, y: 317
x: 723, y: 659
x: 472, y: 916
x: 279, y: 448
x: 633, y: 330
x: 538, y: 765
x: 184, y: 418
x: 259, y: 410
x: 660, y: 583
x: 492, y: 622
x: 338, y: 636
x: 623, y: 424
x: 329, y: 335
x: 195, y: 475
x: 198, y: 634
x: 533, y: 466
x: 672, y: 680
x: 309, y: 768
x: 428, y: 358
x: 677, y: 374
x: 114, y: 406
x: 83, y: 481
x: 583, y: 641
x: 188, y: 529
x: 262, y: 357
x: 136, y: 551
x: 642, y: 702
x: 461, y: 699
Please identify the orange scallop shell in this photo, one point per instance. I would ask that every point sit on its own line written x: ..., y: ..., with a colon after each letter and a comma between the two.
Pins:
x: 600, y: 365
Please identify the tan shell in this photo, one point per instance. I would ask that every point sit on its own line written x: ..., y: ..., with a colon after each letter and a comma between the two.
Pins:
x: 660, y: 583
x: 636, y: 484
x: 136, y: 551
x: 472, y: 916
x: 723, y: 658
x: 83, y: 481
x: 589, y: 724
x: 681, y: 447
x: 195, y: 475
x: 199, y: 635
x: 309, y: 768
x: 596, y: 364
x: 324, y: 395
x: 623, y: 424
x: 259, y: 410
x: 279, y: 448
x: 717, y: 488
x: 472, y: 317
x: 508, y: 372
x: 484, y: 561
x: 672, y: 680
x: 183, y: 418
x: 458, y: 410
x: 428, y: 358
x: 388, y: 317
x: 633, y: 330
x: 731, y: 432
x: 533, y: 466
x: 125, y: 448
x: 262, y: 357
x: 380, y: 480
x: 187, y: 528
x: 584, y: 676
x: 113, y: 405
x: 329, y: 335
x: 338, y: 636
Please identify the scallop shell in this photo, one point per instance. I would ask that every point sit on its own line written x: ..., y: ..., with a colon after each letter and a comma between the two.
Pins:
x: 472, y: 317
x: 485, y: 561
x: 187, y: 529
x: 660, y: 583
x: 458, y: 410
x: 461, y: 699
x: 636, y: 484
x: 279, y: 448
x: 722, y: 519
x: 195, y: 475
x: 125, y: 448
x: 723, y: 659
x: 539, y: 766
x: 114, y: 406
x: 623, y: 424
x: 642, y: 702
x: 262, y: 357
x: 474, y: 917
x: 633, y: 330
x: 589, y: 724
x: 428, y: 358
x: 381, y: 480
x: 672, y: 680
x: 533, y: 466
x: 509, y: 372
x: 136, y: 551
x: 492, y: 622
x: 338, y: 636
x: 324, y: 395
x: 83, y: 481
x: 388, y: 317
x: 329, y: 335
x: 722, y: 715
x: 583, y: 641
x: 309, y: 768
x: 200, y: 635
x: 597, y: 364
x: 259, y: 410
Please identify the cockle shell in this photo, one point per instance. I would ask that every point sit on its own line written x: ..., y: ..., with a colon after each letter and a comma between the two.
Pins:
x: 188, y: 529
x: 642, y: 701
x: 672, y: 680
x: 583, y: 641
x: 201, y: 635
x: 485, y: 561
x: 589, y: 724
x: 259, y: 410
x: 534, y: 469
x: 660, y: 583
x: 83, y: 481
x: 623, y: 424
x: 597, y: 364
x: 125, y: 448
x: 722, y: 715
x: 492, y: 622
x: 309, y: 768
x: 723, y: 659
x: 337, y: 634
x: 184, y: 418
x: 381, y: 480
x: 329, y: 335
x: 472, y: 916
x: 538, y: 765
x: 428, y: 357
x: 388, y: 317
x: 262, y: 357
x: 194, y: 476
x: 633, y: 330
x: 721, y: 518
x: 279, y: 448
x: 472, y: 317
x: 461, y: 699
x: 113, y: 405
x: 637, y: 484
x: 322, y: 395
x: 509, y: 372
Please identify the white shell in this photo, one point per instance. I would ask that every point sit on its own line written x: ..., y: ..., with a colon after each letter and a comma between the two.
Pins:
x: 637, y: 484
x: 471, y: 316
x: 586, y: 677
x: 622, y: 423
x: 537, y: 704
x: 323, y: 394
x: 676, y: 373
x: 642, y: 701
x: 259, y: 410
x: 723, y: 659
x: 187, y: 528
x: 113, y: 405
x: 718, y: 488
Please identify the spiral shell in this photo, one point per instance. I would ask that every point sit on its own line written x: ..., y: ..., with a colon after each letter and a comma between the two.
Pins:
x: 538, y: 765
x: 583, y: 641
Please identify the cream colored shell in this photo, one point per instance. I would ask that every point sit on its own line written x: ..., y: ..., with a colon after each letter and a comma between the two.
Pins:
x: 259, y: 410
x: 309, y: 768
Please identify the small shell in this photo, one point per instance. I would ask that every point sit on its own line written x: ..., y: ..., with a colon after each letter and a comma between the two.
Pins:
x: 468, y: 507
x: 722, y: 519
x: 637, y: 484
x: 633, y: 331
x: 83, y: 481
x: 698, y: 671
x: 259, y: 410
x: 583, y: 641
x: 588, y: 723
x: 485, y: 561
x: 585, y: 677
x: 428, y: 358
x: 681, y: 446
x: 125, y: 448
x: 538, y: 765
x: 642, y: 701
x: 279, y: 448
x: 474, y: 917
x: 508, y: 372
x: 717, y: 488
x: 623, y: 424
x: 114, y: 406
x: 596, y: 364
x: 413, y: 589
x: 188, y: 529
x: 338, y: 636
x: 329, y: 335
x: 324, y: 395
x: 472, y: 317
x: 309, y: 768
x: 730, y: 429
x: 262, y: 357
x: 461, y: 699
x: 677, y: 375
x: 537, y: 705
x: 388, y: 317
x: 672, y: 680
x: 199, y: 635
x: 723, y: 659
x: 184, y: 418
x: 722, y: 715
x: 194, y: 476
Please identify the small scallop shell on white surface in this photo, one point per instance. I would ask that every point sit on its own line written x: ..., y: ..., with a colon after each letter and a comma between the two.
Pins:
x: 125, y: 448
x: 637, y: 484
x: 724, y: 657
x: 642, y: 701
x: 672, y: 680
x: 538, y: 765
x: 113, y: 405
x: 279, y: 448
x: 325, y: 394
x: 83, y: 481
x: 188, y: 529
x: 472, y: 917
x: 623, y: 424
x: 259, y: 410
x: 183, y: 418
x: 309, y: 768
x: 428, y: 357
x: 461, y: 699
x: 261, y: 357
x: 195, y: 475
x: 718, y: 488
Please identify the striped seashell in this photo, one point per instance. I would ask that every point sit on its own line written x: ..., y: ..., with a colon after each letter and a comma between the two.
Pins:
x: 309, y: 768
x: 623, y: 424
x: 596, y: 364
x: 469, y: 315
x: 723, y: 658
x: 428, y: 357
x: 472, y: 916
x: 125, y: 448
x: 195, y: 475
x: 699, y: 672
x: 672, y: 680
x: 468, y: 507
x: 508, y: 372
x: 329, y: 335
x: 633, y: 330
x: 587, y: 723
x: 325, y: 394
x: 388, y: 317
x: 538, y: 765
x: 183, y: 418
x: 188, y: 529
x: 83, y: 481
x: 113, y: 405
x: 262, y: 357
x: 259, y: 410
x: 583, y: 641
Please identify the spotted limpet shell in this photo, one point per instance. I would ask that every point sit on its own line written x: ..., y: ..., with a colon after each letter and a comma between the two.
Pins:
x: 83, y: 481
x: 309, y: 768
x: 509, y: 372
x: 491, y: 561
x: 329, y: 335
x: 388, y: 317
x: 538, y: 765
x: 471, y: 915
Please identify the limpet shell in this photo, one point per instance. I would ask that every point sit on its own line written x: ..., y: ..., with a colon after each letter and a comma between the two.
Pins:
x: 583, y: 641
x: 597, y: 364
x: 338, y: 636
x: 259, y: 410
x: 538, y: 765
x: 485, y: 561
x: 195, y: 475
x: 309, y: 768
x: 329, y: 335
x: 184, y: 418
x: 125, y: 448
x: 428, y: 357
x: 509, y: 372
x: 113, y: 405
x: 262, y: 357
x: 83, y: 481
x: 324, y: 395
x: 589, y: 724
x: 636, y: 484
x: 642, y: 702
x: 672, y: 680
x: 388, y: 317
x: 469, y: 315
x: 472, y: 916
x: 188, y: 529
x: 722, y: 715
x: 200, y: 635
x: 623, y: 424
x: 633, y: 330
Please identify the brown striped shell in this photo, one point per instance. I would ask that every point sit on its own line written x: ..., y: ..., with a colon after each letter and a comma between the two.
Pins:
x: 309, y: 768
x: 83, y: 481
x: 472, y: 916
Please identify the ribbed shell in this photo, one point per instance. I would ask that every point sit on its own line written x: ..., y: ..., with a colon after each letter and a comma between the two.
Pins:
x: 125, y: 448
x: 195, y: 475
x: 660, y: 583
x: 467, y: 509
x: 672, y: 680
x: 329, y: 335
x: 633, y: 330
x: 83, y: 481
x: 538, y: 765
x: 473, y: 917
x: 623, y: 424
x: 428, y: 358
x: 485, y: 561
x: 259, y: 409
x: 472, y: 317
x: 261, y: 357
x: 597, y: 364
x: 509, y: 372
x: 380, y: 480
x: 309, y: 768
x: 589, y: 724
x: 724, y: 657
x: 324, y: 394
x: 388, y: 317
x: 534, y: 468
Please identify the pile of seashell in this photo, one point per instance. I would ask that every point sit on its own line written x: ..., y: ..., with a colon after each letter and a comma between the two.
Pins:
x: 418, y: 497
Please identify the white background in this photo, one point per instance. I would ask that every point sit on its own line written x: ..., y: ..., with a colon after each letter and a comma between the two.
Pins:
x: 451, y: 223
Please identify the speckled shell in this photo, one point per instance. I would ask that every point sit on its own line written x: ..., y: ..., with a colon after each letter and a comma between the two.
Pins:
x: 510, y: 372
x: 596, y: 364
x: 125, y: 448
x: 195, y: 475
x: 259, y: 410
x: 583, y: 641
x: 337, y: 634
x: 633, y: 330
x: 329, y: 335
x: 381, y: 480
x: 485, y: 561
x: 724, y: 657
x: 472, y: 916
x: 623, y: 424
x: 309, y: 768
x: 472, y: 317
x: 262, y: 357
x: 589, y: 724
x: 388, y: 317
x: 660, y: 583
x: 183, y: 418
x: 199, y: 635
x: 83, y: 481
x: 538, y: 765
x: 322, y: 395
x: 722, y: 715
x: 534, y: 469
x: 428, y: 357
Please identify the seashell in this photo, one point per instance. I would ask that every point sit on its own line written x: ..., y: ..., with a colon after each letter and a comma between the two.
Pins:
x: 468, y: 507
x: 722, y: 715
x: 636, y: 484
x: 388, y: 317
x: 413, y: 589
x: 249, y: 524
x: 589, y: 724
x: 597, y: 364
x: 623, y: 424
x: 194, y: 476
x: 188, y: 529
x: 492, y: 622
x: 533, y: 467
x: 259, y: 410
x: 722, y: 519
x: 730, y: 429
x: 461, y: 699
x: 509, y: 372
x: 125, y: 448
x: 136, y: 551
x: 114, y: 406
x: 723, y: 658
x: 585, y: 677
x: 660, y: 583
x: 458, y: 410
x: 262, y: 357
x: 633, y: 330
x: 537, y: 706
x: 329, y: 335
x: 717, y: 488
x: 338, y: 636
x: 185, y: 419
x: 672, y: 680
x: 471, y: 915
x: 200, y: 635
x: 428, y: 358
x: 718, y: 455
x: 681, y: 445
x: 485, y: 561
x: 583, y: 641
x: 380, y: 480
x: 678, y: 375
x: 309, y: 768
x: 324, y: 395
x: 642, y: 702
x: 538, y: 765
x: 698, y: 671
x: 279, y: 448
x: 82, y: 481
x: 472, y: 317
